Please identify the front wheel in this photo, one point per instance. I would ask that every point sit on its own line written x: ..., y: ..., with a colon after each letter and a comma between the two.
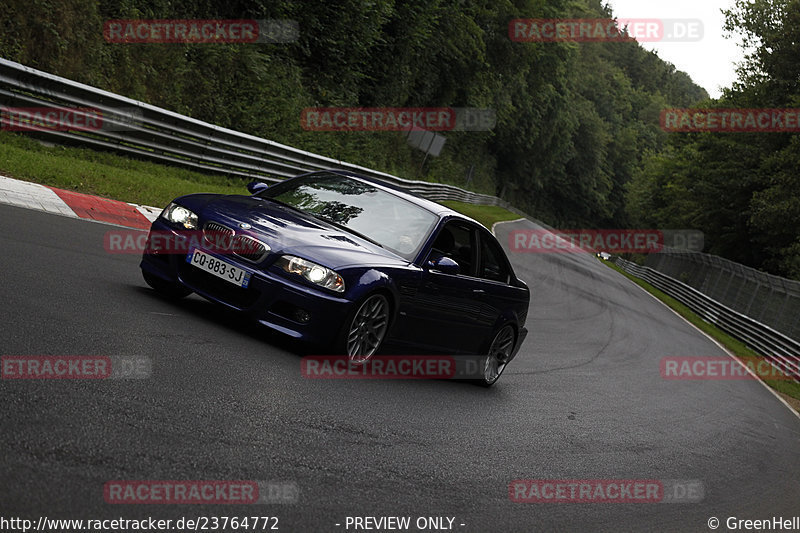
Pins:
x: 162, y: 286
x: 365, y: 329
x: 499, y: 354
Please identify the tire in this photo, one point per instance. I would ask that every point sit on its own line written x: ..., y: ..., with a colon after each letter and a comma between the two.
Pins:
x: 173, y: 291
x: 500, y: 351
x: 365, y: 329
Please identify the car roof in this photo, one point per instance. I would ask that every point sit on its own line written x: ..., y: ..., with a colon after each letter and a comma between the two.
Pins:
x: 440, y: 210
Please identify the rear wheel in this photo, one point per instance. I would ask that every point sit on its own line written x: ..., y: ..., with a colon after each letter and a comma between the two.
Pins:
x: 365, y: 329
x: 164, y: 287
x: 499, y: 354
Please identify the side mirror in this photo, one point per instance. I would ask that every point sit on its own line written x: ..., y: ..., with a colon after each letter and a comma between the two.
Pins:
x: 256, y: 187
x: 445, y: 265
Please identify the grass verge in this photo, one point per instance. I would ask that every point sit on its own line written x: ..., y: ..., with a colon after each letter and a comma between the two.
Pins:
x: 105, y: 174
x: 485, y: 214
x: 787, y: 388
x: 140, y: 182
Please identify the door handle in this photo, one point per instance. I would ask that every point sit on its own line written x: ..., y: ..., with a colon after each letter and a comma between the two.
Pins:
x: 478, y: 292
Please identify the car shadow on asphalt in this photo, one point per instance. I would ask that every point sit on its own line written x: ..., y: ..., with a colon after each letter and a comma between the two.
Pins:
x: 219, y: 315
x: 231, y: 319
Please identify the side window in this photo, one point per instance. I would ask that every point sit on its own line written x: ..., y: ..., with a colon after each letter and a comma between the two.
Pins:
x: 493, y: 264
x: 457, y: 242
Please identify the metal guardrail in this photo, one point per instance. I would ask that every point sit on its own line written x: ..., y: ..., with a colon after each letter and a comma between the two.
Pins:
x: 145, y: 131
x: 782, y: 351
x: 769, y: 299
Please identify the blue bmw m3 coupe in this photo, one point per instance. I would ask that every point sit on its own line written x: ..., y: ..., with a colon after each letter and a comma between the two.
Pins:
x: 348, y: 263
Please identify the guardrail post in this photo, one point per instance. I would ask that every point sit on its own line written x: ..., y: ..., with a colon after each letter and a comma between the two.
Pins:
x: 764, y: 309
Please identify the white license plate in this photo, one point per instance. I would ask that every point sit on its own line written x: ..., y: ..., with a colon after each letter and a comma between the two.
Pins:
x: 218, y: 267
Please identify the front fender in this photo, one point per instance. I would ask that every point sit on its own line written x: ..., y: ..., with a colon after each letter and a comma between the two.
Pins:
x: 372, y: 280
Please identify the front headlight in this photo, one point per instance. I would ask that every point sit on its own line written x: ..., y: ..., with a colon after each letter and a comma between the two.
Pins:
x: 180, y: 215
x: 316, y: 274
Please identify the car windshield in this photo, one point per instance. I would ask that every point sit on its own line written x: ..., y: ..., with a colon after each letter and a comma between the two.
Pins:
x: 380, y: 216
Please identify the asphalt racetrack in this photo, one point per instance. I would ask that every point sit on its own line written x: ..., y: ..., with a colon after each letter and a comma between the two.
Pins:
x: 226, y: 401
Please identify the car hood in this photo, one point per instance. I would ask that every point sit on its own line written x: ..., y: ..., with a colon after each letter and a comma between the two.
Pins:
x: 289, y: 232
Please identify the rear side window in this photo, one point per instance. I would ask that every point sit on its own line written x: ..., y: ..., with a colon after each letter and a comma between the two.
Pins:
x: 493, y: 264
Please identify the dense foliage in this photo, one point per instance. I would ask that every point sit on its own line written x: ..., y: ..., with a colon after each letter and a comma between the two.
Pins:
x: 575, y: 120
x: 741, y: 189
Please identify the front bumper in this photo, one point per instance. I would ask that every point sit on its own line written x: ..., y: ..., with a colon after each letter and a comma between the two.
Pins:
x: 275, y: 301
